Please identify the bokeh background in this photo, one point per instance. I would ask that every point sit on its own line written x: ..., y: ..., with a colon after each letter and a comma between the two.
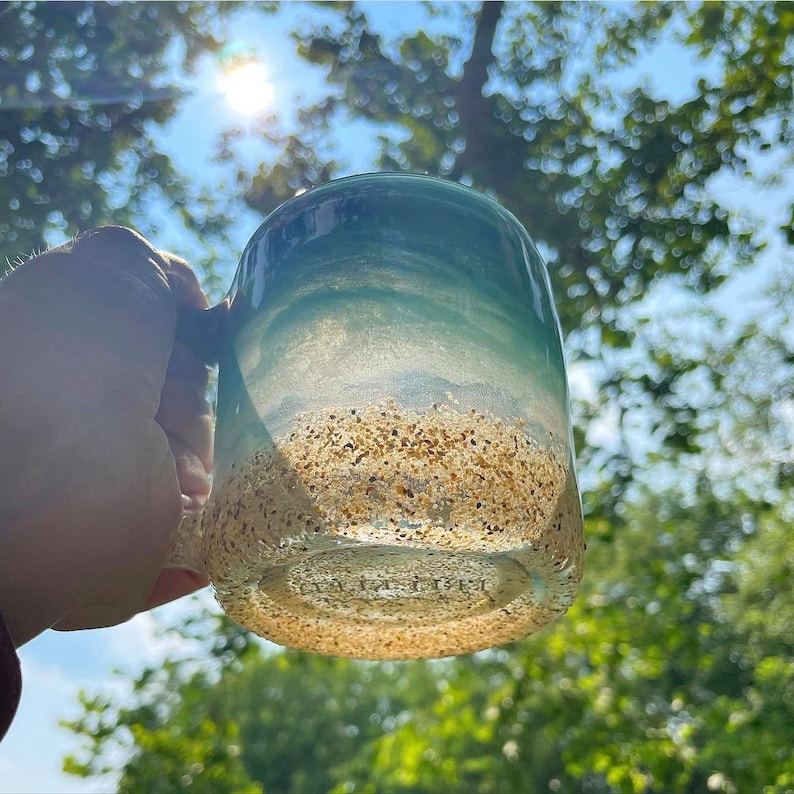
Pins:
x: 648, y: 150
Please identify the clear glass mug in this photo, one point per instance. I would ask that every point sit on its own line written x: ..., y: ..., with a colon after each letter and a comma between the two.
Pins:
x: 394, y: 470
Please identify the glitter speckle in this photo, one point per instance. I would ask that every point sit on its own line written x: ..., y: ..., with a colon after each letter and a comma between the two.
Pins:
x: 391, y: 533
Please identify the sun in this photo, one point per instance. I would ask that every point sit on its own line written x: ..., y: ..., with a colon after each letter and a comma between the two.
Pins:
x: 247, y: 88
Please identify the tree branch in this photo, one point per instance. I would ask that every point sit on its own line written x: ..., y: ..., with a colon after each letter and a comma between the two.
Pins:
x: 471, y: 105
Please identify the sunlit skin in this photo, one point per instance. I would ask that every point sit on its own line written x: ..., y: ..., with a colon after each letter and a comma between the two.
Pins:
x: 247, y: 88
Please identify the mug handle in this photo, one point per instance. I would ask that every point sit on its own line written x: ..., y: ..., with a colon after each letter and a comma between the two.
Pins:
x: 203, y: 332
x: 187, y: 551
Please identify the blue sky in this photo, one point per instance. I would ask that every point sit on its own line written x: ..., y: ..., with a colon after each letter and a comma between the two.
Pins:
x: 57, y: 665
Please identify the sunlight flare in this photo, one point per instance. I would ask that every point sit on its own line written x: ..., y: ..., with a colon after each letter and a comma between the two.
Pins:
x: 247, y: 88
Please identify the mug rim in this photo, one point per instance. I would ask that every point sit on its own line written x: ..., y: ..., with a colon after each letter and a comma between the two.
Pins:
x: 339, y: 183
x: 406, y: 176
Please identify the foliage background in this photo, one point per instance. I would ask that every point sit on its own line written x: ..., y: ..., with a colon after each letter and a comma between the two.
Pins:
x: 667, y: 226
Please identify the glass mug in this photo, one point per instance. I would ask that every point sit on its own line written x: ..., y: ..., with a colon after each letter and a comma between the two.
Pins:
x: 394, y: 473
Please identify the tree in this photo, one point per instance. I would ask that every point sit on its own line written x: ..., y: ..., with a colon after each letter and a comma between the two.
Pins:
x: 84, y: 88
x: 673, y: 672
x: 238, y: 717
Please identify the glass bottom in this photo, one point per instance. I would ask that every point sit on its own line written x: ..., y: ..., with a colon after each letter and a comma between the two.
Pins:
x: 381, y: 602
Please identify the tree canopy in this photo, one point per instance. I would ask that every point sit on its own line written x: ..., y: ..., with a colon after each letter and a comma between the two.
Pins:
x: 674, y: 670
x: 84, y: 89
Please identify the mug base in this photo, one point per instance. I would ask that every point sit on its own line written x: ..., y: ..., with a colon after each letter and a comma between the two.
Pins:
x: 371, y: 601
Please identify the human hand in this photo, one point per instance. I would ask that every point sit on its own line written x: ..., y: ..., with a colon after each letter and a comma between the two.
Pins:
x: 105, y: 432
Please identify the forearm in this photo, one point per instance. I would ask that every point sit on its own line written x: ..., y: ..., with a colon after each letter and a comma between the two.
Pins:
x: 10, y: 680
